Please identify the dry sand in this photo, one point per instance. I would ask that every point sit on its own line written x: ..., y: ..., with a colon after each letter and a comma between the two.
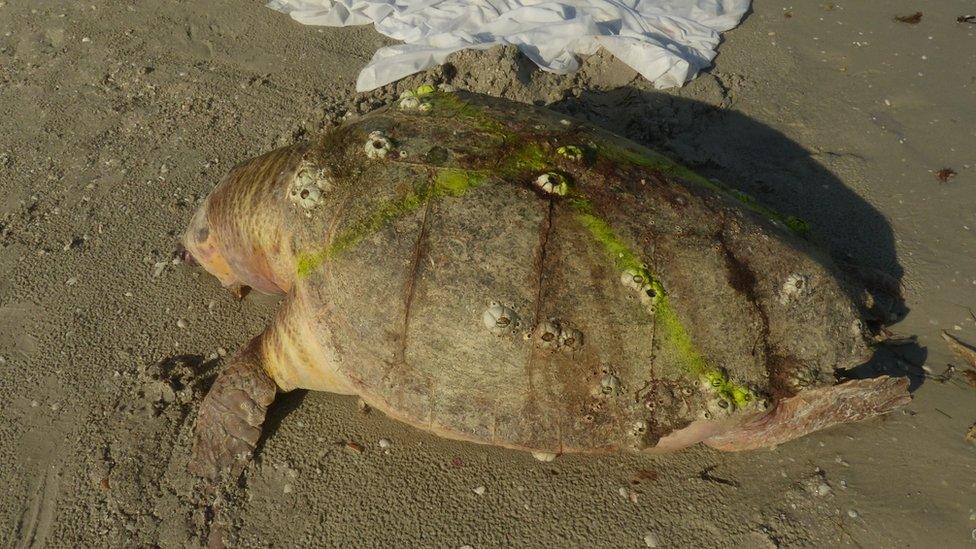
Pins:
x: 116, y: 118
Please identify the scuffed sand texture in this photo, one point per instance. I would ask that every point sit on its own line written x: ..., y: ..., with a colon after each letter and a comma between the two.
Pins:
x: 116, y: 119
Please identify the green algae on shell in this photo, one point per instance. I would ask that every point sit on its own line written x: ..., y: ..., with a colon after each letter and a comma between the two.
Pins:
x: 447, y: 182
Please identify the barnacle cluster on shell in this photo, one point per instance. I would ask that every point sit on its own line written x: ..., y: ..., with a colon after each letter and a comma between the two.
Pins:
x: 553, y: 183
x: 551, y: 334
x: 659, y: 397
x: 501, y: 320
x: 414, y: 103
x: 378, y: 145
x: 640, y: 282
x: 414, y: 100
x: 308, y: 187
x: 723, y: 398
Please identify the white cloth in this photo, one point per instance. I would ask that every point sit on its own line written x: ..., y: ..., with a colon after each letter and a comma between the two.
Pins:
x: 666, y: 41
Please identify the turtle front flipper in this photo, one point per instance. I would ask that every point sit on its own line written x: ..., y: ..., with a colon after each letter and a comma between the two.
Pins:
x: 231, y: 415
x: 813, y: 410
x: 285, y: 356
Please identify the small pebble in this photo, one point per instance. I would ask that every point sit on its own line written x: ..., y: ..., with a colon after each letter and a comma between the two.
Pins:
x: 86, y: 40
x: 181, y: 324
x: 384, y: 443
x: 480, y: 490
x: 287, y: 488
x: 72, y: 281
x: 823, y: 489
x: 852, y: 513
x: 651, y: 540
x: 354, y: 447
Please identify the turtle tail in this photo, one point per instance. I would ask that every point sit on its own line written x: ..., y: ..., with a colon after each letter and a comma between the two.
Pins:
x: 813, y: 410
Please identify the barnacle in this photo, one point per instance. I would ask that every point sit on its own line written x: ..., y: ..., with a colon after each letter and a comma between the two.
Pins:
x: 795, y: 287
x: 553, y: 183
x: 571, y: 152
x: 547, y: 334
x: 409, y: 102
x: 610, y: 384
x: 415, y: 100
x: 500, y: 320
x: 570, y: 339
x: 377, y: 145
x: 639, y: 281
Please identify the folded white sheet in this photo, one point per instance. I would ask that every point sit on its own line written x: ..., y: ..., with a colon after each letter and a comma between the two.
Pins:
x: 666, y: 41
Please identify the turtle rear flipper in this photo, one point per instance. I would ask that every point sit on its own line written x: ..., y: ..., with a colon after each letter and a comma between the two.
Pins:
x: 229, y: 423
x: 816, y: 409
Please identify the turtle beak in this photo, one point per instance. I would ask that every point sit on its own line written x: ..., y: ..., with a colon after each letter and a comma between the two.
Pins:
x: 185, y: 256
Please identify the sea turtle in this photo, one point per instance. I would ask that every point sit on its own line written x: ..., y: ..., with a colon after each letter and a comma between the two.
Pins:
x: 498, y: 273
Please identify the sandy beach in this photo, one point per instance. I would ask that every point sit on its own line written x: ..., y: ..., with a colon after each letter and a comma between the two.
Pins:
x: 117, y: 119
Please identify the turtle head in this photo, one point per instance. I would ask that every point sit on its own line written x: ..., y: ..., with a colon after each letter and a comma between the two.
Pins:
x: 202, y: 248
x: 238, y: 234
